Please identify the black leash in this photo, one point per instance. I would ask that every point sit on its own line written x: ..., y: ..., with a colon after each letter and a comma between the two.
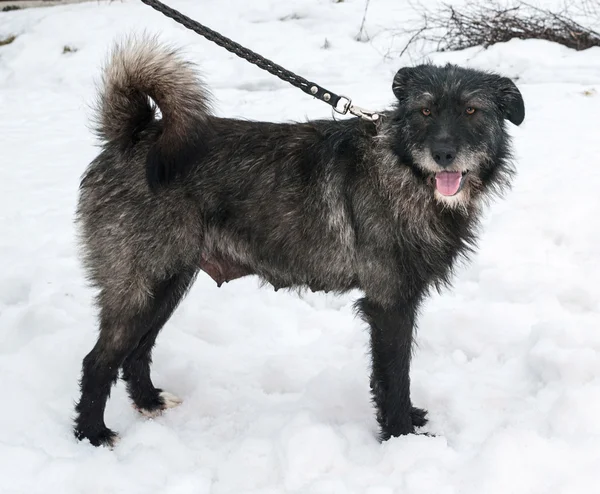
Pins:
x: 340, y: 104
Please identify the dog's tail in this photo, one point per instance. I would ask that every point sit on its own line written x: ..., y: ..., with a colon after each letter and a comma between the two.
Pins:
x: 141, y: 69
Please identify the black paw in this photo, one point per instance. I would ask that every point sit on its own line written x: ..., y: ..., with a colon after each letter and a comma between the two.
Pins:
x: 397, y: 427
x: 153, y: 405
x: 97, y: 437
x: 147, y: 401
x: 418, y: 416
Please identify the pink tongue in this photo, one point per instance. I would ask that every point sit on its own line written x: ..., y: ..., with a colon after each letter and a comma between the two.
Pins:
x: 447, y: 183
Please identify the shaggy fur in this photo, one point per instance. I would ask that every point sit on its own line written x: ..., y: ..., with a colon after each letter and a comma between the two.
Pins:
x: 327, y: 205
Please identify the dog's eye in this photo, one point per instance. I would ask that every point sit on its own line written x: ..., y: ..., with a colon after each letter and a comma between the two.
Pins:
x: 426, y: 111
x: 470, y: 110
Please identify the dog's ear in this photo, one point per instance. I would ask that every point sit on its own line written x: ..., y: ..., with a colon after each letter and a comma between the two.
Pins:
x: 511, y: 101
x: 400, y: 80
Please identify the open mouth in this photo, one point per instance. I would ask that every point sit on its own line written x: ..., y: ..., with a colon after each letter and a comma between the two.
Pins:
x: 449, y: 183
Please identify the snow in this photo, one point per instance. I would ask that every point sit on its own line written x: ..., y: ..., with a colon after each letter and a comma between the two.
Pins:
x: 275, y: 386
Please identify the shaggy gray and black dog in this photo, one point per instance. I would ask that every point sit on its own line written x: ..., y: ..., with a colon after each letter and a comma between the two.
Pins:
x: 327, y: 205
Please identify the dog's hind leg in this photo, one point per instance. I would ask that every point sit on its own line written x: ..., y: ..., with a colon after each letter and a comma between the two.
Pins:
x: 136, y: 368
x: 391, y: 341
x: 118, y: 337
x: 126, y: 318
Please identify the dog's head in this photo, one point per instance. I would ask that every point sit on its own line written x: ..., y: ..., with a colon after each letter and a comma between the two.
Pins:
x: 449, y: 128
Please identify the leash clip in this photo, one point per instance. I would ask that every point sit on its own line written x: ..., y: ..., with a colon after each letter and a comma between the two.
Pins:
x: 357, y: 111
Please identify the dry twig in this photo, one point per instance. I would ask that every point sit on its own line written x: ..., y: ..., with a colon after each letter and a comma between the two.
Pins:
x: 484, y: 24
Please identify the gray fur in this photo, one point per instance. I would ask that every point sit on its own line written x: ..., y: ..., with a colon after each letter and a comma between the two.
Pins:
x: 327, y: 205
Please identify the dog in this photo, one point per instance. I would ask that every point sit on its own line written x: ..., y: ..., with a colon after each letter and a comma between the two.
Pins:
x: 326, y: 205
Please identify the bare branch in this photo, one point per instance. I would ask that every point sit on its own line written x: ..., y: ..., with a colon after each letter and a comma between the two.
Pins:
x: 477, y: 24
x: 362, y: 34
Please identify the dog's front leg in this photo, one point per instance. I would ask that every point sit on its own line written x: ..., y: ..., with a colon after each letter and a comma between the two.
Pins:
x: 391, y: 341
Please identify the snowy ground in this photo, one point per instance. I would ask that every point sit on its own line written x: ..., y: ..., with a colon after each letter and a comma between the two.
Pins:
x: 276, y: 391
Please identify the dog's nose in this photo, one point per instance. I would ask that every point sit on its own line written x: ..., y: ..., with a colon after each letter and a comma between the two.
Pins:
x: 444, y: 155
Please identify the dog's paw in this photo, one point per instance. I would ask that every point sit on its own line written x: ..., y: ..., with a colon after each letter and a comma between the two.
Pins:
x: 401, y: 427
x: 164, y: 400
x: 418, y: 417
x: 170, y: 400
x: 100, y: 437
x: 395, y: 428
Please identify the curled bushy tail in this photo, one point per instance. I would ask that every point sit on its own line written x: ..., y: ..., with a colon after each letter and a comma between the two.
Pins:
x: 141, y: 69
